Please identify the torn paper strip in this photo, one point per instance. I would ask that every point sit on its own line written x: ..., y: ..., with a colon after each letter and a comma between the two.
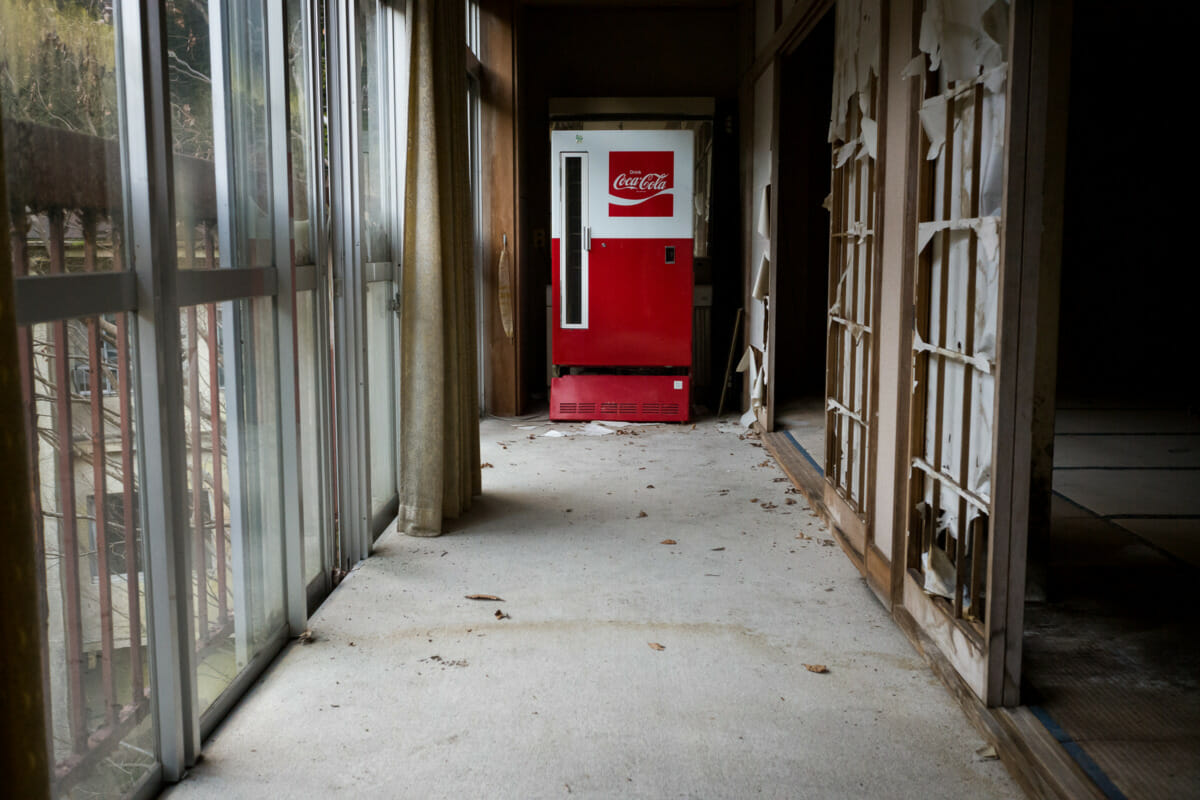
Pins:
x: 913, y: 68
x: 933, y: 121
x: 764, y: 212
x: 986, y: 228
x: 869, y: 135
x: 762, y: 280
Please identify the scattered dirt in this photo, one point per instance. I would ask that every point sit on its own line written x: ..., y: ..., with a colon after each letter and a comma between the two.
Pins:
x: 642, y: 514
x: 818, y: 668
x: 484, y: 597
x: 668, y: 541
x: 461, y: 662
x: 656, y: 646
x: 485, y: 465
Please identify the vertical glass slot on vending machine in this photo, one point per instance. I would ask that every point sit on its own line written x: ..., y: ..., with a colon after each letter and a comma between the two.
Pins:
x: 574, y: 242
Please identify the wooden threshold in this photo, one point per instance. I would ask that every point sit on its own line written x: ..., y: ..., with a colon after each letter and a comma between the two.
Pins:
x: 1033, y: 757
x: 1031, y: 754
x: 809, y: 481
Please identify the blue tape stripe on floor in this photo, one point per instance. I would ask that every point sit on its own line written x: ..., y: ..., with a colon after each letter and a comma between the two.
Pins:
x: 1131, y: 469
x: 1079, y: 755
x: 804, y: 452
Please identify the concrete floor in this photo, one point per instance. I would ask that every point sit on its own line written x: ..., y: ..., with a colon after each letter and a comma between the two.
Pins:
x: 411, y: 690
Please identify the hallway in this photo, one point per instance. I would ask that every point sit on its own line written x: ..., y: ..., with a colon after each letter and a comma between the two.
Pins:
x: 411, y: 690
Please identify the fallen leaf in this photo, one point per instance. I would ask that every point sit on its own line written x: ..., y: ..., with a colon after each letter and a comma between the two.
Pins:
x: 753, y: 499
x: 501, y: 615
x: 668, y: 541
x: 769, y: 506
x: 791, y: 501
x: 656, y: 646
x: 649, y: 485
x: 818, y: 668
x: 987, y: 753
x: 828, y: 543
x: 484, y: 597
x: 766, y: 463
x: 802, y: 535
x: 715, y: 549
x: 307, y: 637
x: 642, y: 514
x: 485, y: 465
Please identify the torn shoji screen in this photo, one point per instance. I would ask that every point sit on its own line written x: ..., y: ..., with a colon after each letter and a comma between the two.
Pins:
x: 852, y: 252
x: 962, y: 67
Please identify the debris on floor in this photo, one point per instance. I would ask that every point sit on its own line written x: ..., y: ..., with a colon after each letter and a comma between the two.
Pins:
x: 485, y: 465
x: 642, y: 514
x: 307, y: 637
x: 461, y: 662
x: 668, y: 541
x: 818, y: 668
x: 656, y: 646
x: 717, y: 549
x: 987, y: 753
x: 484, y: 597
x: 501, y: 615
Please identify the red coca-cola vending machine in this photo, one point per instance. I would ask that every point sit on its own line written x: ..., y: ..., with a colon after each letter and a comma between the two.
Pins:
x: 622, y: 228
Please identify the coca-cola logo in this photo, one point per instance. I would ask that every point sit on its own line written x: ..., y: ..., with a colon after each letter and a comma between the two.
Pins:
x: 650, y: 182
x: 641, y: 183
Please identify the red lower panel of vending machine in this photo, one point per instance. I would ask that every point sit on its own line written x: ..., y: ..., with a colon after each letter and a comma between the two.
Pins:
x: 634, y: 398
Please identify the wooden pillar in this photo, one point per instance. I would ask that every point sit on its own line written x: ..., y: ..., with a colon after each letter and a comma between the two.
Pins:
x: 498, y: 146
x: 24, y: 762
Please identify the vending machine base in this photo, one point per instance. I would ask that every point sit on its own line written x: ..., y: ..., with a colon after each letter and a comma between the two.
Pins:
x: 631, y: 398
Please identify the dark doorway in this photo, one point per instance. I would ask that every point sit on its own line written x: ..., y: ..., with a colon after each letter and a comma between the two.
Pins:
x: 800, y: 299
x: 1112, y: 644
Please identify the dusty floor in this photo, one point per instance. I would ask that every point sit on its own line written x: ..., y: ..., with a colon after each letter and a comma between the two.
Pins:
x: 626, y: 665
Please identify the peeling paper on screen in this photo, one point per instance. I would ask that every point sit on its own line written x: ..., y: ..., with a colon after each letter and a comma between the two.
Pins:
x: 856, y: 58
x: 962, y: 37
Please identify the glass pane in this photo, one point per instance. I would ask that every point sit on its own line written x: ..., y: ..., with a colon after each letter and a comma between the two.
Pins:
x: 308, y: 374
x: 573, y: 235
x: 300, y: 130
x: 373, y: 167
x: 62, y: 132
x: 83, y: 447
x: 381, y: 405
x: 235, y: 532
x: 229, y: 129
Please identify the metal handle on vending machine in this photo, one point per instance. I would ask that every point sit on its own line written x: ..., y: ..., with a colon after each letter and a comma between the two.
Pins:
x: 587, y: 239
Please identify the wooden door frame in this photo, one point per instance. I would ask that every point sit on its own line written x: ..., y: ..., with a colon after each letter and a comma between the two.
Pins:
x: 1030, y: 262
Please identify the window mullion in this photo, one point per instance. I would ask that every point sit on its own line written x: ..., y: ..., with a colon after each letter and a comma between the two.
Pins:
x: 163, y: 487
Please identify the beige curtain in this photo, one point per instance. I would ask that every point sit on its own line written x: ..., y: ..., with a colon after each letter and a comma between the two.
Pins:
x: 439, y: 412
